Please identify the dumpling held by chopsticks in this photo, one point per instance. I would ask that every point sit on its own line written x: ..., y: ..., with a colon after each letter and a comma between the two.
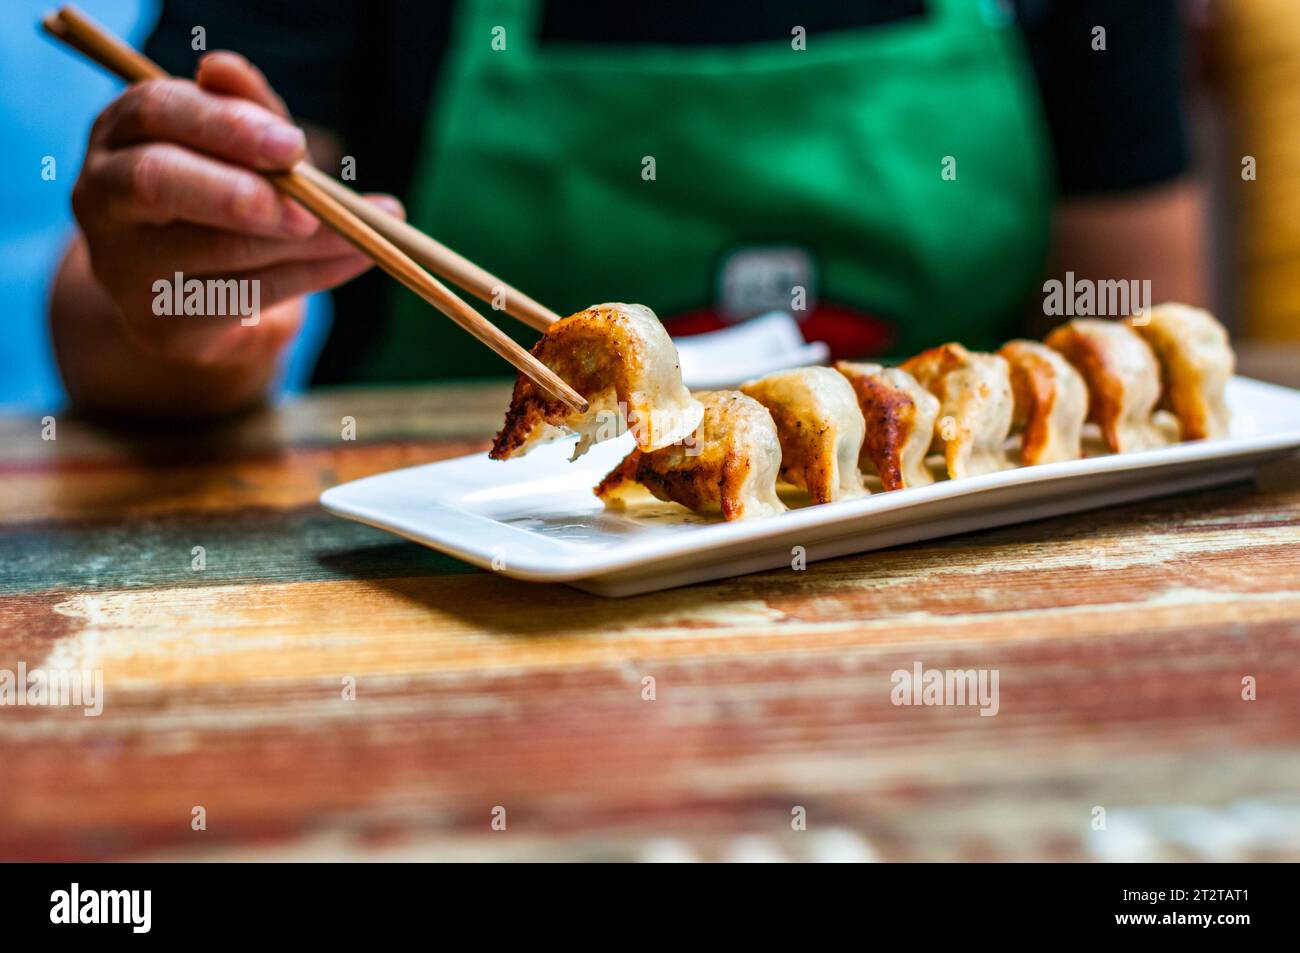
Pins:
x: 620, y: 358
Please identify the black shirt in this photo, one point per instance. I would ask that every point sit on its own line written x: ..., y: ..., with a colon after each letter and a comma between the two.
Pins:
x: 368, y: 69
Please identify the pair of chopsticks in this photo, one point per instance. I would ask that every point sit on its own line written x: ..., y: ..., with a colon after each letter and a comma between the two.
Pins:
x: 398, y: 248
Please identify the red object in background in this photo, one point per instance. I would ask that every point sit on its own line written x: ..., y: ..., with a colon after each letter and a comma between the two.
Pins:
x: 848, y: 333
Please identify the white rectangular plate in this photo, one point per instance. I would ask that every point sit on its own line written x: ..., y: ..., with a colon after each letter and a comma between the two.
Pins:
x: 535, y: 517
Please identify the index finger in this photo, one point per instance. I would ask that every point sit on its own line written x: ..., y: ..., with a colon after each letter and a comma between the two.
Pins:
x: 175, y: 110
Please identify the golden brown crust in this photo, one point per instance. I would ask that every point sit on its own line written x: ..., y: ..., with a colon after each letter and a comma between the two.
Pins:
x: 621, y: 360
x: 821, y: 429
x: 1088, y: 355
x: 698, y: 487
x: 892, y: 418
x: 889, y: 414
x: 529, y: 406
x: 933, y: 364
x: 803, y: 460
x: 976, y: 406
x: 578, y: 349
x: 1034, y: 387
x: 628, y: 471
x: 1050, y: 402
x: 730, y: 462
x: 1196, y: 362
x: 1122, y: 379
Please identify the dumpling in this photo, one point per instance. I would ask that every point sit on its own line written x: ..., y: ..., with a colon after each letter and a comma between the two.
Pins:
x: 1122, y: 377
x: 1196, y: 362
x: 975, y: 406
x: 620, y: 358
x: 821, y: 430
x: 900, y: 416
x: 731, y: 462
x: 1051, y: 403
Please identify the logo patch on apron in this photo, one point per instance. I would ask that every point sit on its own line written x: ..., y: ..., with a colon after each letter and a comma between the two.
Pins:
x: 755, y: 280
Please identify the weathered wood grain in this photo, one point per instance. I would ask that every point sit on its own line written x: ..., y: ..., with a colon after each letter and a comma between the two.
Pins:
x: 1121, y: 638
x: 470, y: 410
x: 247, y: 546
x: 290, y: 478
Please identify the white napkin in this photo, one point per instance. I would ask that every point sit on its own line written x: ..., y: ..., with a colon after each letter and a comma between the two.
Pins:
x: 770, y: 342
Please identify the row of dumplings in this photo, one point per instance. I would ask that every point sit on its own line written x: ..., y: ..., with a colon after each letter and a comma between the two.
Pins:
x: 820, y: 428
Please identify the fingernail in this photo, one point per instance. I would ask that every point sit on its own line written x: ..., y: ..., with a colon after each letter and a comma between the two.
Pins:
x: 281, y: 143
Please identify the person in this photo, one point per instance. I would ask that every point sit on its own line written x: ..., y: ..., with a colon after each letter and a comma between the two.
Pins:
x: 895, y: 172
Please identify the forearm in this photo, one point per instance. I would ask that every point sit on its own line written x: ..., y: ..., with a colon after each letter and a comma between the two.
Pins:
x: 108, y: 372
x: 1159, y: 235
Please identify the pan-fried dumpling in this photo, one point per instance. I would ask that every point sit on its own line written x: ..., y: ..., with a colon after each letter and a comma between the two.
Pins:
x: 1196, y: 362
x: 620, y: 358
x: 730, y: 462
x: 1051, y: 403
x: 1122, y: 377
x: 975, y: 406
x: 900, y: 416
x: 821, y: 430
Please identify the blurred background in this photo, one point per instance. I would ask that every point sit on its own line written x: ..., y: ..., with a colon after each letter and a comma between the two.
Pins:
x: 1240, y: 91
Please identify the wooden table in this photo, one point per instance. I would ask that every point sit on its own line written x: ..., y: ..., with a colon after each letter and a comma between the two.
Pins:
x: 1121, y: 639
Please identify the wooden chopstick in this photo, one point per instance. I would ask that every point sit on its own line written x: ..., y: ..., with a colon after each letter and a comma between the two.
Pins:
x: 308, y: 187
x: 87, y: 37
x: 435, y: 256
x: 82, y: 33
x: 402, y: 267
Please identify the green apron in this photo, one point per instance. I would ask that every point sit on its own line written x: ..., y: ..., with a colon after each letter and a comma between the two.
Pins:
x: 534, y: 157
